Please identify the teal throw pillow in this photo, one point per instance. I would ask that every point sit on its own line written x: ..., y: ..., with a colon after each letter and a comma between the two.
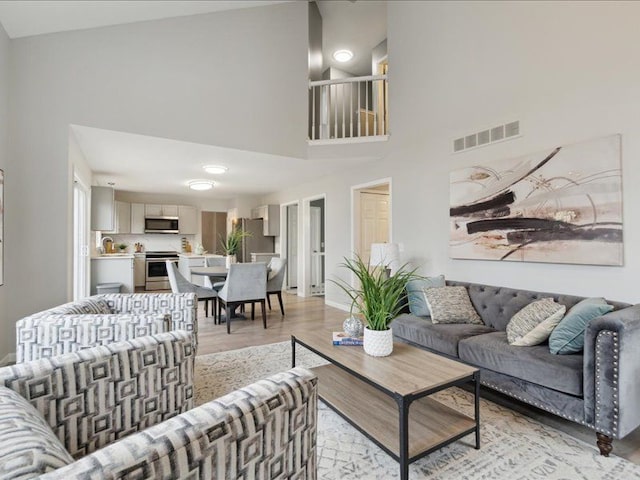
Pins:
x: 415, y: 294
x: 568, y: 336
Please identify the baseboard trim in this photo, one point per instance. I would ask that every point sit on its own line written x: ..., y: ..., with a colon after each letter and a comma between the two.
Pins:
x: 339, y: 306
x: 9, y: 359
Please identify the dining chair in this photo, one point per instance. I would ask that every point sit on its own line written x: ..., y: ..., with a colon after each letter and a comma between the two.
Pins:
x: 275, y: 279
x: 246, y: 283
x: 215, y: 282
x: 179, y: 284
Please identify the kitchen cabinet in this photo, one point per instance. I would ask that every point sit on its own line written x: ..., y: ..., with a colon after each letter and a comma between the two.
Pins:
x: 187, y: 219
x: 151, y: 210
x: 102, y: 209
x: 186, y: 261
x: 113, y: 270
x: 137, y: 218
x: 122, y: 218
x: 270, y: 215
x: 139, y: 269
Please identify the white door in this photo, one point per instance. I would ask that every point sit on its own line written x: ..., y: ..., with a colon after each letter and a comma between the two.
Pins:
x: 80, y: 241
x: 292, y: 246
x: 374, y: 221
x: 317, y: 252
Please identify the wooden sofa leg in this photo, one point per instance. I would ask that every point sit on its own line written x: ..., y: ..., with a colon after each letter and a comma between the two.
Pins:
x: 604, y: 443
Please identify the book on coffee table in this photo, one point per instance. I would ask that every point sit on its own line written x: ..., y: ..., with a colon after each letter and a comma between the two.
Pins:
x: 341, y: 338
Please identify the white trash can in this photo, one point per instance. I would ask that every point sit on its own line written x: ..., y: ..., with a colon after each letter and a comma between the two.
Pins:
x: 108, y: 288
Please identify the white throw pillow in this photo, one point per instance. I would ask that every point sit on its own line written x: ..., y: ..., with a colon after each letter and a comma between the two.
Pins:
x: 534, y: 323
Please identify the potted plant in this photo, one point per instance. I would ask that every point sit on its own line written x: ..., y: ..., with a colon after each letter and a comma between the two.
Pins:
x: 231, y: 244
x: 379, y: 298
x: 122, y: 247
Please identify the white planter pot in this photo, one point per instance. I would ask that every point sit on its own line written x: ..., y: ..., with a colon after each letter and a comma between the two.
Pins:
x: 229, y: 259
x: 378, y: 343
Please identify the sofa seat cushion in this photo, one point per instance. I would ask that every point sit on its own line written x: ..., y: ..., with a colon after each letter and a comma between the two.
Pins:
x: 28, y: 446
x: 533, y: 364
x: 443, y: 337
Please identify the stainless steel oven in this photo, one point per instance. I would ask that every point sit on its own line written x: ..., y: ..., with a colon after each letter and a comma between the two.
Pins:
x: 156, y: 277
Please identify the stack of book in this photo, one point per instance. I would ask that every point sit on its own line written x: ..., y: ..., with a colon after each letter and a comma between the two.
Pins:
x: 341, y: 338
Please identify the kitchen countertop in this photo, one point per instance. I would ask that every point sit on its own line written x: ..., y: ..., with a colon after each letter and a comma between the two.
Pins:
x: 111, y: 256
x: 194, y: 255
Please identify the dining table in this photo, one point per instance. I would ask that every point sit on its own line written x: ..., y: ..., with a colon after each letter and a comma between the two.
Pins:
x: 217, y: 271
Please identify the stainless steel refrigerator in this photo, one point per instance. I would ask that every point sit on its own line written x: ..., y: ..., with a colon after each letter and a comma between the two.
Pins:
x: 256, y: 242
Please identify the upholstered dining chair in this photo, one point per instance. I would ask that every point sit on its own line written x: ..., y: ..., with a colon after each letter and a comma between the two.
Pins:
x: 215, y: 282
x: 179, y: 284
x: 246, y: 283
x: 275, y: 280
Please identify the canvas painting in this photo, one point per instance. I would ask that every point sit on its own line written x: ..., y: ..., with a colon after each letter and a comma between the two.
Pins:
x: 562, y: 205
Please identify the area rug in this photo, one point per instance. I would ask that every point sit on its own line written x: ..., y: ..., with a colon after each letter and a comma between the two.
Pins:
x: 514, y: 447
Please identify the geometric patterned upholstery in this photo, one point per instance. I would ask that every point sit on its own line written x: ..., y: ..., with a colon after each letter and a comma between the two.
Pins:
x: 78, y: 325
x: 96, y: 396
x: 28, y: 447
x: 264, y: 431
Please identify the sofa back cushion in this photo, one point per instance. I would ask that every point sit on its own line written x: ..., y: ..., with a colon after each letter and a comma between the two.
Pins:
x: 496, y: 305
x: 28, y: 447
x: 88, y: 305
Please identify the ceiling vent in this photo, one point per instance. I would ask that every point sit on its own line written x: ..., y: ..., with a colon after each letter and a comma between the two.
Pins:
x: 486, y: 137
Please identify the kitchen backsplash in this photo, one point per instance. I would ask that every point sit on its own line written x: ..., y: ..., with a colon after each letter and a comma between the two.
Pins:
x: 153, y: 242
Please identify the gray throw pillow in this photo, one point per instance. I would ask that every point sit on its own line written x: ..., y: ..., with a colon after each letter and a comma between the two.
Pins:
x: 415, y: 294
x: 534, y: 323
x: 451, y: 305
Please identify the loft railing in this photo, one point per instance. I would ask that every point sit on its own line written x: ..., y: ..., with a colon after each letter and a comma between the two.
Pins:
x: 348, y: 108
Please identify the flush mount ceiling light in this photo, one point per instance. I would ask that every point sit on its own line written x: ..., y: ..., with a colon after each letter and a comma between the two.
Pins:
x: 215, y: 169
x: 201, y: 185
x: 343, y: 55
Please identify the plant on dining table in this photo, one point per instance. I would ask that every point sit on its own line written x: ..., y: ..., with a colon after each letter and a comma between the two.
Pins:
x: 231, y: 244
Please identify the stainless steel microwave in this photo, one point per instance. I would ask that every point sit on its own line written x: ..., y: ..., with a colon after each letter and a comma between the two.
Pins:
x: 161, y: 225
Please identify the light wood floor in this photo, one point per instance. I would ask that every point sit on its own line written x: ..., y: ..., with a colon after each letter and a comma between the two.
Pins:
x: 303, y: 313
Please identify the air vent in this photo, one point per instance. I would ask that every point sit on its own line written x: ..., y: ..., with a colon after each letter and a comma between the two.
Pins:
x: 486, y: 137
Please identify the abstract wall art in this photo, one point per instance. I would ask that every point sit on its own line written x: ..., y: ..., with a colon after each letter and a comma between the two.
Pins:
x: 562, y: 205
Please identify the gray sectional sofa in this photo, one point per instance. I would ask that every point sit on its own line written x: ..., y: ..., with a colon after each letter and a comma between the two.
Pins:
x: 598, y: 388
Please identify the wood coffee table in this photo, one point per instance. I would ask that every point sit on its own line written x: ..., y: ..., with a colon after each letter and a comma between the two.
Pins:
x: 374, y: 394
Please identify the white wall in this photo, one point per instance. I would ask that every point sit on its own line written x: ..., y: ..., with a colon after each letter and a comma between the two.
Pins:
x: 567, y: 70
x: 236, y: 79
x: 6, y: 326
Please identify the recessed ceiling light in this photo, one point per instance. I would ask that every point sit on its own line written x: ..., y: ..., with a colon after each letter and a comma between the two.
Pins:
x: 343, y: 55
x: 215, y: 169
x: 201, y: 185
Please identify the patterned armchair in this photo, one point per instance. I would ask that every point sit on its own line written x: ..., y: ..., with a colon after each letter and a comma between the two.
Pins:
x: 124, y: 411
x: 103, y: 319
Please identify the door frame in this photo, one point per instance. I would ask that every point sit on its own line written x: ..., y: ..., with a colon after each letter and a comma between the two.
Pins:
x: 305, y: 278
x: 83, y: 251
x: 355, y: 210
x: 284, y: 239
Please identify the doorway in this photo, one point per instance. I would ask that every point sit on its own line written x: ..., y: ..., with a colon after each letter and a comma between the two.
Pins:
x: 371, y: 216
x: 290, y: 247
x: 312, y: 280
x: 316, y: 225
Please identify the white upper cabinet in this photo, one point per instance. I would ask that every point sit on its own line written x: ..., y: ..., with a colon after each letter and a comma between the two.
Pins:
x: 187, y: 219
x: 160, y: 210
x: 122, y: 218
x: 102, y: 209
x: 137, y: 218
x: 270, y: 215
